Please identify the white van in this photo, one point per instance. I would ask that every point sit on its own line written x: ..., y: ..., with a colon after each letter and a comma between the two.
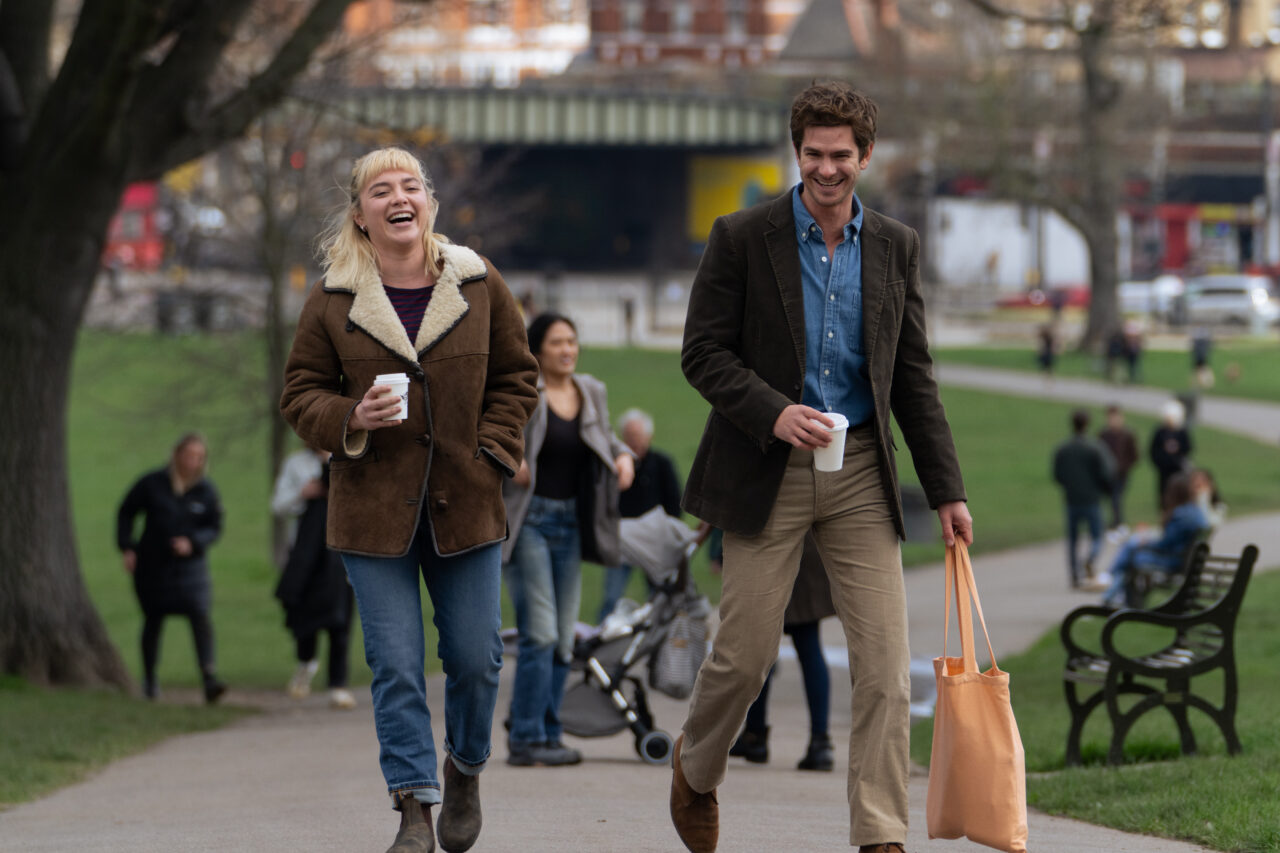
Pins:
x: 1238, y: 298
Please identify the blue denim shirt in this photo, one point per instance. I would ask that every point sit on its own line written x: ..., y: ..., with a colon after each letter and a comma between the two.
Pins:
x: 835, y: 368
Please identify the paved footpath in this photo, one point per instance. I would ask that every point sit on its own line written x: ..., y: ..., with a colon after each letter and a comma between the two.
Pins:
x: 300, y: 777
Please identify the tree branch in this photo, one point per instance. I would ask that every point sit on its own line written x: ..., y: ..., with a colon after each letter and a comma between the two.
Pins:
x: 229, y: 119
x: 79, y: 116
x: 995, y: 11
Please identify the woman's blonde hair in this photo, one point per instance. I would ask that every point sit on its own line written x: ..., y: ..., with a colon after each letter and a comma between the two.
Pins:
x: 346, y: 254
x: 179, y: 485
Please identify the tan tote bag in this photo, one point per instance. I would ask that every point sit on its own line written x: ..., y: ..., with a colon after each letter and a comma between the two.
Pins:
x: 977, y: 774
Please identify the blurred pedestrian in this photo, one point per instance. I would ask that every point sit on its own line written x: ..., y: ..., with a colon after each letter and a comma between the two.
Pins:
x: 1201, y: 346
x: 1170, y: 448
x: 1116, y: 348
x: 182, y: 518
x: 562, y: 508
x: 313, y: 587
x: 1133, y: 350
x: 410, y: 365
x: 1047, y: 349
x: 1083, y: 468
x: 810, y: 603
x: 656, y: 484
x: 1123, y: 444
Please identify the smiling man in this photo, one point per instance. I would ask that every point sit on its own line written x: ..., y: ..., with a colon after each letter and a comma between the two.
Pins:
x: 803, y: 307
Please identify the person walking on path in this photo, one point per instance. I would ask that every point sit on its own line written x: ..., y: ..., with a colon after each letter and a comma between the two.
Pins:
x: 810, y: 603
x: 1170, y: 448
x: 313, y: 587
x: 802, y: 306
x: 1123, y: 445
x: 182, y: 518
x: 656, y: 484
x: 562, y: 508
x: 1083, y: 467
x: 415, y: 481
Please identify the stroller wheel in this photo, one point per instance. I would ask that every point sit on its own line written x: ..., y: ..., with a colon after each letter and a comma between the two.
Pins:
x: 654, y: 747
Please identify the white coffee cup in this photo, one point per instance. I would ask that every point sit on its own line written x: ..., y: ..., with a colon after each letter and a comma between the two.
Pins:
x: 831, y: 457
x: 399, y: 384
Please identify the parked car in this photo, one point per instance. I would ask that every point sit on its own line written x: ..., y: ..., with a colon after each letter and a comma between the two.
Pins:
x: 1064, y: 297
x: 1156, y: 298
x: 1238, y: 298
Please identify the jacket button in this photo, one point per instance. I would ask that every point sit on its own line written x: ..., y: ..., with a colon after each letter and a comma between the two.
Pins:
x: 796, y: 386
x: 423, y: 439
x: 442, y: 504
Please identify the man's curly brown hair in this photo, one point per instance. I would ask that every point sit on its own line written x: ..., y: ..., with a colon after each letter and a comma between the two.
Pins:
x: 834, y: 104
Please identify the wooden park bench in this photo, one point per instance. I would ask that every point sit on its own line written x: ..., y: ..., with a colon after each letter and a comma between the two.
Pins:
x: 1202, y: 617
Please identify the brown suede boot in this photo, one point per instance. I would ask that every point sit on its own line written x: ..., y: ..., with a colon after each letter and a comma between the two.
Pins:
x: 460, y: 813
x: 696, y: 816
x: 415, y: 835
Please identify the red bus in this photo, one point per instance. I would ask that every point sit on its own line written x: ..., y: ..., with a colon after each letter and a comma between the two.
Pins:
x: 134, y: 241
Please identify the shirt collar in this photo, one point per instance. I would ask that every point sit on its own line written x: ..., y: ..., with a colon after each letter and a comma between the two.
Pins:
x: 807, y: 227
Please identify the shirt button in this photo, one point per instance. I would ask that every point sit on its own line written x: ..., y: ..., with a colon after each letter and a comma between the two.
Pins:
x: 826, y: 373
x: 824, y: 259
x: 831, y: 334
x: 833, y: 297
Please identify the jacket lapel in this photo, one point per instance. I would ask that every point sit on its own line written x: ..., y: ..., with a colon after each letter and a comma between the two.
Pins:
x: 372, y: 311
x: 875, y: 272
x: 784, y: 257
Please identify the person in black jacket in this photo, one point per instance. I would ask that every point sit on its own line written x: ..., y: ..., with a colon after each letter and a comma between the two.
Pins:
x: 182, y: 518
x: 1170, y: 448
x: 1084, y: 468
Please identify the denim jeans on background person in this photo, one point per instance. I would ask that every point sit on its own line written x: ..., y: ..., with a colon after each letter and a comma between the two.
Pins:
x: 466, y: 594
x: 616, y: 579
x: 1090, y: 514
x: 544, y: 579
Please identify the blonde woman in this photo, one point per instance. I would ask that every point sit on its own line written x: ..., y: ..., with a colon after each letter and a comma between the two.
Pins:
x: 419, y: 497
x: 182, y: 517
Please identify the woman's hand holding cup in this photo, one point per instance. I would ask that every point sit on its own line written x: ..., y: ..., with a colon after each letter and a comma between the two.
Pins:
x: 378, y: 403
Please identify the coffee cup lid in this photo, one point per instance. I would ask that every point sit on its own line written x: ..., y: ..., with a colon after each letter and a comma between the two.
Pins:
x: 384, y: 378
x: 839, y: 421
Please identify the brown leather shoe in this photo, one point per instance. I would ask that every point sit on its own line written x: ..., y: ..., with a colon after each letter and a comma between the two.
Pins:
x: 891, y: 847
x: 696, y: 816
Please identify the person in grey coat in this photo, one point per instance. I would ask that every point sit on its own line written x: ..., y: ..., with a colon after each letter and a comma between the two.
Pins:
x: 562, y: 507
x: 1083, y: 467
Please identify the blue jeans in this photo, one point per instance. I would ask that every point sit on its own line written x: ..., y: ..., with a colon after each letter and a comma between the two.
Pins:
x: 544, y: 579
x: 1092, y: 515
x: 616, y: 579
x: 466, y: 593
x: 1133, y: 556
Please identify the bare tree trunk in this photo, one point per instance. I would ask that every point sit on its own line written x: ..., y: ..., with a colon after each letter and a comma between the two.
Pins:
x: 1101, y: 195
x: 50, y: 632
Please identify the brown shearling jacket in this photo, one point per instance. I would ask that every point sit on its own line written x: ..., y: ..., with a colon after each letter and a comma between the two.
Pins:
x: 744, y: 352
x: 471, y: 389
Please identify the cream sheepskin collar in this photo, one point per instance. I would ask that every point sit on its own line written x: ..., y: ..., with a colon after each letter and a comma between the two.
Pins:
x: 372, y: 311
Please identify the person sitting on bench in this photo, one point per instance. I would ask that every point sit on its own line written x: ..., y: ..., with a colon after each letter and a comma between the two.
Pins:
x: 1184, y: 521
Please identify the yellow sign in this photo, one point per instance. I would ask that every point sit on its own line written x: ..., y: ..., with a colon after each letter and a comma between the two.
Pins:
x: 720, y: 185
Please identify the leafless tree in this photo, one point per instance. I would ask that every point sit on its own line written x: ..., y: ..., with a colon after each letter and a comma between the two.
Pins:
x: 141, y: 86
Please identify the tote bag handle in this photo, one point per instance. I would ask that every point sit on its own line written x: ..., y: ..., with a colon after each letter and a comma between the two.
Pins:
x: 960, y: 568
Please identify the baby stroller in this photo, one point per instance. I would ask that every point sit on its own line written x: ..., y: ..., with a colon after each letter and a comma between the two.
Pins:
x: 668, y: 634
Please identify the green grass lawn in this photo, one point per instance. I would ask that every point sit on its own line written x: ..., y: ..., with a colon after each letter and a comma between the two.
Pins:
x: 1257, y: 363
x: 134, y: 394
x: 1227, y: 803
